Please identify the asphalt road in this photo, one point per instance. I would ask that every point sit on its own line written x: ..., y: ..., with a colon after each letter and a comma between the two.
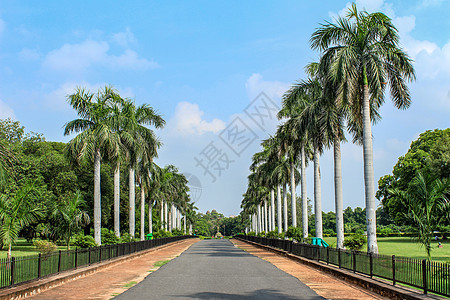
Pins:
x: 215, y: 269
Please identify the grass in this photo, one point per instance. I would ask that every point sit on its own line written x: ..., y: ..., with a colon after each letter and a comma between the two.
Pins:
x: 23, y: 248
x: 161, y: 263
x: 129, y: 284
x: 406, y: 246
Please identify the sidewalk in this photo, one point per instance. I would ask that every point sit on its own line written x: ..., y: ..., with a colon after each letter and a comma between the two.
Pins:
x: 112, y: 281
x: 324, y: 285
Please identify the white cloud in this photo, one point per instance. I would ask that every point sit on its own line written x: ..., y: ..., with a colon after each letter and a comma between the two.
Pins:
x: 29, y: 54
x: 124, y: 38
x: 57, y: 99
x: 256, y: 85
x: 6, y: 111
x: 188, y: 120
x: 79, y: 57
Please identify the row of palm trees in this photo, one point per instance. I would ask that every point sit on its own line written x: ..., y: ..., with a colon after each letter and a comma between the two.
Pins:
x: 360, y: 57
x: 115, y: 129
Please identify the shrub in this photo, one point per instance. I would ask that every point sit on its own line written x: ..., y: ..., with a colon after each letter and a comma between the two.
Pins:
x: 45, y: 247
x: 355, y: 242
x: 176, y: 232
x: 251, y: 233
x: 125, y: 238
x: 294, y: 233
x: 262, y: 234
x: 384, y: 231
x: 272, y: 234
x: 108, y: 237
x: 84, y: 241
x: 329, y: 232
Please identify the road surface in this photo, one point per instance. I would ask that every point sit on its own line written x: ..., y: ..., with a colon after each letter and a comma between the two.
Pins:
x: 216, y: 269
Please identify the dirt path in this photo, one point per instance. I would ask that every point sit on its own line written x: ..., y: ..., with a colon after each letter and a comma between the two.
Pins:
x: 323, y: 284
x: 116, y: 279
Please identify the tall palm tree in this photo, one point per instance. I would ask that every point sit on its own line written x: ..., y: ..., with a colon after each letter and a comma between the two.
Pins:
x: 364, y: 56
x: 96, y: 137
x: 145, y: 143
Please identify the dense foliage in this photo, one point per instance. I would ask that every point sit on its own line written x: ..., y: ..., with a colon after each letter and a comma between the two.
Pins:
x: 429, y: 154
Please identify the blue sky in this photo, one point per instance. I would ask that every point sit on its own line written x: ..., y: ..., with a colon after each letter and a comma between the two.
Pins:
x: 200, y: 64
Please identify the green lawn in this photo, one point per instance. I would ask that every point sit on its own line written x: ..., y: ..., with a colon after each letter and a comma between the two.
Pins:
x: 406, y: 246
x: 23, y: 248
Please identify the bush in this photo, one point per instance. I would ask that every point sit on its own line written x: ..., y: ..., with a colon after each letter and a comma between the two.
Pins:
x: 355, y: 242
x: 84, y: 241
x: 125, y: 238
x: 108, y: 237
x: 272, y: 234
x: 384, y: 231
x: 294, y: 233
x: 251, y: 233
x: 176, y: 232
x: 45, y: 247
x: 261, y: 234
x: 329, y: 232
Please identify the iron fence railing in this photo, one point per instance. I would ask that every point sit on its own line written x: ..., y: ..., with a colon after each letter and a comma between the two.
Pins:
x: 23, y: 269
x: 429, y: 276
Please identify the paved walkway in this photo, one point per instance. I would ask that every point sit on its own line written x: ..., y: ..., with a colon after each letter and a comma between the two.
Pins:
x: 216, y: 269
x: 209, y: 269
x: 323, y: 284
x: 114, y: 280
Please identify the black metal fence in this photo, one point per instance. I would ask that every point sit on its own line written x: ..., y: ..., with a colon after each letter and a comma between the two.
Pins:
x: 428, y: 276
x: 26, y: 268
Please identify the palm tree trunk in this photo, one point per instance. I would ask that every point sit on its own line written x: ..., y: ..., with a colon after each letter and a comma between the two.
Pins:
x: 150, y: 217
x: 132, y: 204
x: 170, y: 219
x: 272, y: 209
x: 166, y: 221
x: 285, y: 208
x: 258, y: 223
x: 184, y: 224
x: 142, y: 212
x: 162, y: 214
x: 117, y: 200
x: 293, y: 197
x: 369, y: 180
x: 338, y: 195
x: 97, y: 199
x: 279, y: 218
x: 265, y: 215
x: 8, y: 256
x: 304, y: 195
x: 190, y: 229
x: 317, y: 195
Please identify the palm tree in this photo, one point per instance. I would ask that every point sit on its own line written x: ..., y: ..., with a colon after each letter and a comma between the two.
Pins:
x: 428, y: 204
x: 144, y: 143
x: 364, y: 56
x: 68, y: 216
x: 17, y: 212
x: 96, y: 137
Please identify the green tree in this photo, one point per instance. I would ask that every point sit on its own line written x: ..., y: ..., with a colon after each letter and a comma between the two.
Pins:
x: 428, y: 154
x: 95, y: 137
x: 363, y: 54
x: 428, y: 206
x: 69, y: 217
x: 16, y: 212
